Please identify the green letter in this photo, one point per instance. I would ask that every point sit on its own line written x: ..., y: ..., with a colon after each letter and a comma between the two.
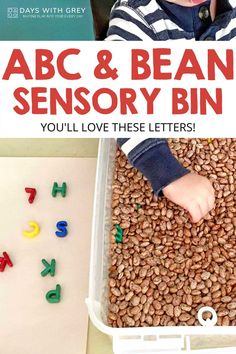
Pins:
x: 49, y: 268
x: 54, y: 296
x: 56, y: 189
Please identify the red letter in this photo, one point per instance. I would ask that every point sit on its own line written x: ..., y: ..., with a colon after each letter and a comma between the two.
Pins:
x: 57, y: 99
x: 36, y: 99
x: 214, y: 60
x: 25, y: 106
x: 32, y: 193
x: 194, y: 100
x: 85, y: 105
x: 23, y: 69
x: 113, y: 97
x: 127, y: 98
x: 158, y: 62
x: 194, y: 69
x: 139, y: 60
x: 179, y: 98
x: 5, y: 260
x: 150, y: 98
x: 43, y: 61
x: 61, y: 64
x: 206, y: 98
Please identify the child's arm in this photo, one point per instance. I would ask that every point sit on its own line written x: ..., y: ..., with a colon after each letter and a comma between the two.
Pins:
x: 154, y: 159
x: 153, y: 156
x: 192, y: 192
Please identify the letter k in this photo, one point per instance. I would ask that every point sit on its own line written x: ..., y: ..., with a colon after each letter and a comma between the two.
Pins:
x: 49, y: 268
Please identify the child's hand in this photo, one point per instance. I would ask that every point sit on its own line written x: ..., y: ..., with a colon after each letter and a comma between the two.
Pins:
x: 193, y: 193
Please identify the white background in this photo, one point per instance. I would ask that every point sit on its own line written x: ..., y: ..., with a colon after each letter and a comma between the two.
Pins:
x: 13, y: 125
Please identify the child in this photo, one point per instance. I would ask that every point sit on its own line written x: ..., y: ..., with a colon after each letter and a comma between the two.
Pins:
x: 172, y: 20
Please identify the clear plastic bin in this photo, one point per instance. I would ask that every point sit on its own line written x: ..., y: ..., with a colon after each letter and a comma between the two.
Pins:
x: 139, y: 340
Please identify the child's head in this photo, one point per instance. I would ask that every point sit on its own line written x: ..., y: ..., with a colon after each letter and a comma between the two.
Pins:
x: 187, y: 2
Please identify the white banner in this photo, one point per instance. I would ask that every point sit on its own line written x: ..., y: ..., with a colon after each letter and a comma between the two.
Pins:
x: 117, y: 89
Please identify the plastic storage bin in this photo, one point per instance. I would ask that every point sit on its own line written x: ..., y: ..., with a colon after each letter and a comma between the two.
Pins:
x: 143, y: 340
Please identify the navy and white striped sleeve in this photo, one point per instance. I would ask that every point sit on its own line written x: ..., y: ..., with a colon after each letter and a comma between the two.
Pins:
x: 127, y: 24
x: 154, y: 159
x: 150, y: 156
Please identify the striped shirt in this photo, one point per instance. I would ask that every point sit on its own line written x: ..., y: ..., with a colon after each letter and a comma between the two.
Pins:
x: 159, y: 20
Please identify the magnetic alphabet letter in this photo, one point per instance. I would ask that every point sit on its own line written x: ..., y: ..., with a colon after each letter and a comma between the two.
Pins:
x: 5, y: 260
x: 54, y: 296
x: 62, y: 227
x: 32, y: 193
x: 119, y: 234
x: 56, y: 189
x: 34, y: 232
x: 49, y: 268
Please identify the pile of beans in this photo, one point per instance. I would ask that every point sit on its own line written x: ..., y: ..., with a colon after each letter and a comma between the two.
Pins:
x: 167, y: 268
